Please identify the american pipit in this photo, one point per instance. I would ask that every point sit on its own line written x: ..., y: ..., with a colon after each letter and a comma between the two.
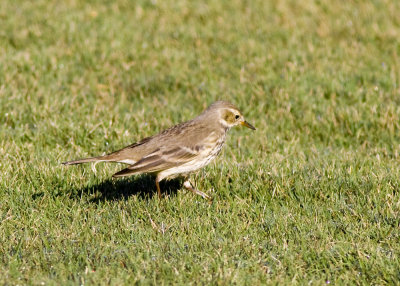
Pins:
x: 179, y: 150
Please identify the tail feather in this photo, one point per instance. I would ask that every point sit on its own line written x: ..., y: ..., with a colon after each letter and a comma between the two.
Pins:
x: 85, y: 160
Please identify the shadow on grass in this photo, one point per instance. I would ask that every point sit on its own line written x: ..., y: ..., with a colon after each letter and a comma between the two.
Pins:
x: 121, y: 189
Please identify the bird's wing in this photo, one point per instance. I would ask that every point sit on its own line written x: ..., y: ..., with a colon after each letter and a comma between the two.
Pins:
x: 161, y: 159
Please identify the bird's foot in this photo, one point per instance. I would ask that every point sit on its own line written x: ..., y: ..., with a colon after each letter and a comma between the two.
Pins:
x: 190, y: 187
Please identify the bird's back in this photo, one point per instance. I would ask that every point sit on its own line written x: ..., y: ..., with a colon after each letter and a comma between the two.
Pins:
x: 191, y: 134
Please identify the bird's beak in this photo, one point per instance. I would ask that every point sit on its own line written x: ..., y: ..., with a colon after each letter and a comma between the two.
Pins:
x: 248, y: 125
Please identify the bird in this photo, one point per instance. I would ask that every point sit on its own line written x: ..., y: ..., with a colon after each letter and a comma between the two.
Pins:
x: 179, y: 150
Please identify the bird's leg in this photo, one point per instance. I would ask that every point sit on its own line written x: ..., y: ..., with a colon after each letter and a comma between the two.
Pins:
x: 158, y: 188
x: 190, y: 187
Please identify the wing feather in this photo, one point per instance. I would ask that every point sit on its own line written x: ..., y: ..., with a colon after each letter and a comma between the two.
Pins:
x: 161, y: 159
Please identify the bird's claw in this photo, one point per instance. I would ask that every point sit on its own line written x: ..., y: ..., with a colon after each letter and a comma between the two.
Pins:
x: 189, y: 186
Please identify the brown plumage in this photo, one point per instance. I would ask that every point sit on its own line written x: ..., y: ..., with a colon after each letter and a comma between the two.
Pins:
x: 180, y: 149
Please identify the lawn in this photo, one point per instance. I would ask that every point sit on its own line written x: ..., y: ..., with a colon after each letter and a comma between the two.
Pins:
x: 310, y: 197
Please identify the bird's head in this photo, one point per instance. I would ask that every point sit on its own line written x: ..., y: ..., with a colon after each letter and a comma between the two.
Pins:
x: 229, y: 115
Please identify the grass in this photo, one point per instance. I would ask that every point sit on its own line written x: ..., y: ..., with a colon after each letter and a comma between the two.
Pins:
x: 311, y: 197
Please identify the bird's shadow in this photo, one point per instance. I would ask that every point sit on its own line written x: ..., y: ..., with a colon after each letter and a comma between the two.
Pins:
x: 122, y: 188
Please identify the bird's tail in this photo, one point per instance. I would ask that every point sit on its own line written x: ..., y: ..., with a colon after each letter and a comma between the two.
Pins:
x: 85, y: 160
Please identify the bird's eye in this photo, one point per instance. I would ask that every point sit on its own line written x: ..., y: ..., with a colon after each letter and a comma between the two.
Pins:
x: 237, y: 117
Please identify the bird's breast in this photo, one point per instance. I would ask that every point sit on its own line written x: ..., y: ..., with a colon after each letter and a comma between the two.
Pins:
x: 213, y: 149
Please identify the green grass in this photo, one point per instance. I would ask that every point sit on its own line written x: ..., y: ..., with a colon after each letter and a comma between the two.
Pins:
x: 311, y: 197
